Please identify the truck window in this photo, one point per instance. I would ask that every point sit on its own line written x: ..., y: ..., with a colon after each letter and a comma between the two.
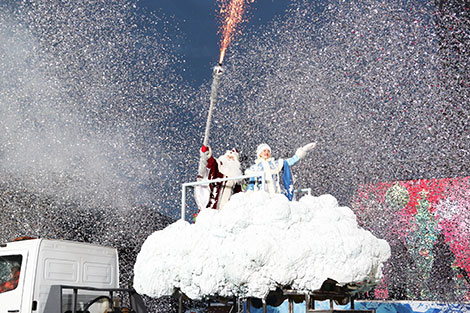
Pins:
x: 10, y: 269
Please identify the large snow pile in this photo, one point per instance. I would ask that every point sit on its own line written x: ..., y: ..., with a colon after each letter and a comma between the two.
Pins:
x: 259, y: 242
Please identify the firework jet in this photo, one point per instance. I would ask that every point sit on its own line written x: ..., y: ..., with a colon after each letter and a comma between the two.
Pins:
x: 231, y: 13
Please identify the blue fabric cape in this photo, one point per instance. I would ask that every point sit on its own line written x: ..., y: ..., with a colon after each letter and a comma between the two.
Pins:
x: 287, y: 181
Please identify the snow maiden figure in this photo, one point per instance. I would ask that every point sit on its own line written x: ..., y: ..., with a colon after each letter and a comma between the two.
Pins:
x: 275, y: 169
x: 215, y: 195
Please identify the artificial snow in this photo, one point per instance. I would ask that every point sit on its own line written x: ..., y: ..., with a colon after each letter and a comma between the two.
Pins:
x: 257, y: 243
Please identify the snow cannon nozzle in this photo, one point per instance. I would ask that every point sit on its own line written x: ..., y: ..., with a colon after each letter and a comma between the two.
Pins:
x: 218, y: 69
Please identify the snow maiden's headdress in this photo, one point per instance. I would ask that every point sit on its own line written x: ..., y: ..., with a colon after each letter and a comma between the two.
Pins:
x: 262, y: 147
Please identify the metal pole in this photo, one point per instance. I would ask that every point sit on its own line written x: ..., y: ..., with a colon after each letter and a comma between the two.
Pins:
x: 180, y: 303
x: 183, y: 202
x: 214, y: 88
x: 74, y: 300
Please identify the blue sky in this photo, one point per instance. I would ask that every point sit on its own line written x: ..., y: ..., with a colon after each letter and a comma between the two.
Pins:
x: 195, y: 23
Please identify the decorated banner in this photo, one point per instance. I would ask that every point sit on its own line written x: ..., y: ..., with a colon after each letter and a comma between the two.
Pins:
x: 427, y: 224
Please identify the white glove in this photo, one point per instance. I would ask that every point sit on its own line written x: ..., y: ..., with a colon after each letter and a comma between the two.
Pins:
x: 309, y: 146
x: 302, y: 152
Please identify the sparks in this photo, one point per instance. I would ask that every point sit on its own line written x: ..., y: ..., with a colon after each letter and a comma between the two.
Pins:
x: 231, y: 12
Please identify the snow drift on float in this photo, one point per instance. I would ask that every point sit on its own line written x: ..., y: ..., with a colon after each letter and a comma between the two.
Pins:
x: 257, y: 243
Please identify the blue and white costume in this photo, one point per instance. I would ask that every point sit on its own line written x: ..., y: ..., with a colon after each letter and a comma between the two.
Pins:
x: 272, y: 168
x: 278, y: 177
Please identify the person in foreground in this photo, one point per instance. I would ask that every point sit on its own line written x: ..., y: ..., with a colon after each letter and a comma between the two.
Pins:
x: 217, y: 194
x: 277, y: 173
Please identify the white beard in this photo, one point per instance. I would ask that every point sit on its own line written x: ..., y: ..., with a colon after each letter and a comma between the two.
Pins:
x: 229, y: 167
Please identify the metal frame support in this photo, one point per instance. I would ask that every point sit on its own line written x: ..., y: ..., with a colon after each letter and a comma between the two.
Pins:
x: 180, y: 303
x: 74, y: 300
x: 291, y: 305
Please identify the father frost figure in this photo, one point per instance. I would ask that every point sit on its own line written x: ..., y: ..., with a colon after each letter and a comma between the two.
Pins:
x: 216, y: 195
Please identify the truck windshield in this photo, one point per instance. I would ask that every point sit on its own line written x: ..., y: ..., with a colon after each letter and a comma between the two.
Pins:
x: 10, y: 268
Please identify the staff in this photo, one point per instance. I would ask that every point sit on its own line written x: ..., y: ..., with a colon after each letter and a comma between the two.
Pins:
x: 218, y: 70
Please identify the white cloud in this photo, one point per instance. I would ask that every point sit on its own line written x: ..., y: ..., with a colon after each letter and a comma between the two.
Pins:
x: 259, y: 242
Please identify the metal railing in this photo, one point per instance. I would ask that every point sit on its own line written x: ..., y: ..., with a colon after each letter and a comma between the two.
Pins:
x: 308, y: 191
x: 55, y: 299
x: 210, y: 181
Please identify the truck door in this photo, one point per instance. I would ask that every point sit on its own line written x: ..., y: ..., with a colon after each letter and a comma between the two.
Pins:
x: 12, y: 269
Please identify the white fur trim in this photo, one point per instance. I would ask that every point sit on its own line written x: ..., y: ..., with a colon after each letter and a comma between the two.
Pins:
x: 261, y: 147
x: 233, y: 152
x: 301, y: 153
x: 228, y: 167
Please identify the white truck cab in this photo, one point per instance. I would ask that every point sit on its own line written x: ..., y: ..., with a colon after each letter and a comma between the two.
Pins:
x: 29, y: 268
